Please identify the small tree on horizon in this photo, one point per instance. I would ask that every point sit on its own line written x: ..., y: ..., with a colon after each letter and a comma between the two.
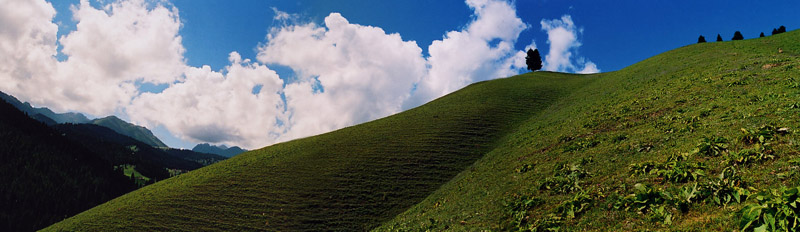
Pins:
x: 533, y: 60
x: 719, y: 38
x: 781, y: 29
x: 761, y: 35
x: 775, y: 31
x: 737, y: 36
x: 701, y: 39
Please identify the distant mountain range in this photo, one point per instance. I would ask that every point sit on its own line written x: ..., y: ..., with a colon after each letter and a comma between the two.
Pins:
x: 49, y: 117
x: 219, y: 150
x: 133, y: 131
x: 44, y: 115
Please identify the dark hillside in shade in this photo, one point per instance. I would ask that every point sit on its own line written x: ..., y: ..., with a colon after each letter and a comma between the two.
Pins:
x: 45, y: 177
x: 125, y: 128
x: 120, y: 149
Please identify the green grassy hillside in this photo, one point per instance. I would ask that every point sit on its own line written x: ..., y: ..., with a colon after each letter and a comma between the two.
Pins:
x: 657, y: 108
x: 350, y: 179
x: 534, y: 151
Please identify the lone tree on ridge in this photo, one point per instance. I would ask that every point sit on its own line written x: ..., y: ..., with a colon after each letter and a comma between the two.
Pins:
x: 701, y: 39
x: 719, y: 38
x: 761, y: 35
x: 533, y: 60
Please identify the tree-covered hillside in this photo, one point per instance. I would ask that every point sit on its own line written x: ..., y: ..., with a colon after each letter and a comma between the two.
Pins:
x: 46, y: 177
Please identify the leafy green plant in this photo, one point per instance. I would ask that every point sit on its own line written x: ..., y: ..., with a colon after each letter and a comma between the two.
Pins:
x: 579, y: 203
x: 643, y: 168
x: 518, y: 209
x: 725, y: 189
x: 550, y: 222
x: 575, y: 170
x: 774, y: 210
x: 581, y: 144
x: 566, y: 177
x: 759, y: 135
x: 642, y: 200
x: 685, y: 196
x: 714, y: 146
x: 661, y: 214
x: 676, y: 169
x: 746, y: 156
x: 656, y: 201
x: 560, y: 184
x: 681, y: 171
x: 566, y: 210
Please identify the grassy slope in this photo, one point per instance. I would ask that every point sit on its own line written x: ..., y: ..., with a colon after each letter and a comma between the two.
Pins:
x: 357, y: 177
x: 351, y: 179
x: 669, y: 102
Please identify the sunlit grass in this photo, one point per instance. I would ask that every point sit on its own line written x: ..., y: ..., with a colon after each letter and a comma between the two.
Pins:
x: 456, y: 163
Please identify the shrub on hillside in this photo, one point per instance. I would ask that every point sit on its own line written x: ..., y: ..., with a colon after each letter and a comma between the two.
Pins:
x: 737, y: 36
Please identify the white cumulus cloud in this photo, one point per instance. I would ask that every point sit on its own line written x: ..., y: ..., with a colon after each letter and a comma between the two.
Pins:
x: 346, y: 73
x: 483, y: 50
x: 241, y: 105
x: 27, y: 49
x: 562, y: 35
x: 111, y: 48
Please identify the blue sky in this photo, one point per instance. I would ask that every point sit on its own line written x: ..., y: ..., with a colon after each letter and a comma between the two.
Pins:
x: 238, y: 99
x: 615, y: 34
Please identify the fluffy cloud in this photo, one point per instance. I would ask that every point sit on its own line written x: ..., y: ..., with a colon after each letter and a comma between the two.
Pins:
x: 27, y: 48
x: 346, y: 73
x: 483, y: 50
x: 126, y: 42
x: 110, y: 50
x: 241, y: 105
x: 562, y: 35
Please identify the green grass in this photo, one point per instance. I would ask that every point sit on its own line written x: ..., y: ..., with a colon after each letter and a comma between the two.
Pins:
x: 475, y: 159
x: 351, y: 179
x: 662, y: 106
x: 131, y: 170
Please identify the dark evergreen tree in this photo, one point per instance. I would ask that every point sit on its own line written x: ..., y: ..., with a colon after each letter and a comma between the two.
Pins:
x: 761, y: 35
x: 775, y: 31
x: 533, y: 60
x: 781, y: 29
x: 701, y: 39
x: 737, y: 36
x: 719, y: 38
